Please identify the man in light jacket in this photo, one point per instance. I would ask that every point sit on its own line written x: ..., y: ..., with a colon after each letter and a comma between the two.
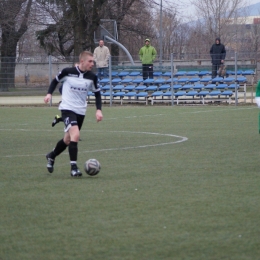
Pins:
x: 101, y: 57
x: 147, y: 55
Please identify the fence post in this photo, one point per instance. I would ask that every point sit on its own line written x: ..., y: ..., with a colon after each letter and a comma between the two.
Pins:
x: 236, y: 96
x: 172, y: 71
x: 50, y: 75
x: 110, y: 79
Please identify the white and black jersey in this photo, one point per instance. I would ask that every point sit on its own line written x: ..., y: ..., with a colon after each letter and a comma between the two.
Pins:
x: 75, y: 88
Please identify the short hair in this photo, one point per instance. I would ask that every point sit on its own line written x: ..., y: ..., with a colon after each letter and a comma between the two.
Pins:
x: 85, y: 54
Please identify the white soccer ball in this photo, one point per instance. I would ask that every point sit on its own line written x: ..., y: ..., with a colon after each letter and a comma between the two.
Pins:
x: 92, y: 167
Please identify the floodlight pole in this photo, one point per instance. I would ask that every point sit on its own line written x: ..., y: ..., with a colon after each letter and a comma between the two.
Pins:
x: 160, y: 63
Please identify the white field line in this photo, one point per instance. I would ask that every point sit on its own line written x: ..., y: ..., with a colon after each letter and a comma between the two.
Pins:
x: 181, y: 139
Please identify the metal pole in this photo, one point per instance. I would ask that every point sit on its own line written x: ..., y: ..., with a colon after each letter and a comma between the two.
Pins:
x: 160, y: 35
x: 123, y: 47
x: 172, y: 70
x: 50, y: 75
x: 110, y: 80
x: 236, y: 97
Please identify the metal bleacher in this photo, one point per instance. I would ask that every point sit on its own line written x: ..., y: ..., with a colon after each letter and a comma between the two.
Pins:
x: 184, y: 87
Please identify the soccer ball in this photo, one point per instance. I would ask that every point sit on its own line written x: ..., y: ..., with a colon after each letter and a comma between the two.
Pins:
x: 92, y: 167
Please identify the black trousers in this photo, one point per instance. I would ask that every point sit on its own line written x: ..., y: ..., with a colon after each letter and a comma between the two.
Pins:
x: 215, y: 68
x: 147, y: 71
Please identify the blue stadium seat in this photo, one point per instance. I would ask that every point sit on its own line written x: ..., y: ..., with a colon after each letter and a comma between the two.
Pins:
x: 118, y: 87
x: 192, y: 73
x: 222, y: 86
x: 165, y: 87
x: 90, y: 93
x: 157, y: 73
x: 140, y: 88
x: 203, y: 93
x: 241, y: 79
x: 217, y: 79
x: 134, y: 74
x: 233, y: 86
x: 187, y: 86
x: 183, y: 80
x: 130, y: 94
x: 228, y: 80
x: 129, y: 87
x: 157, y: 93
x: 180, y: 93
x: 198, y: 86
x: 119, y: 94
x: 205, y: 80
x: 105, y: 88
x: 194, y: 80
x: 210, y: 86
x: 123, y: 74
x: 192, y: 93
x: 151, y: 88
x: 107, y: 93
x: 114, y: 73
x: 215, y: 93
x: 138, y: 80
x: 229, y: 94
x: 248, y: 72
x: 148, y: 81
x: 168, y: 94
x: 177, y: 87
x: 180, y: 73
x: 104, y: 81
x: 204, y: 73
x: 126, y: 80
x: 167, y: 74
x: 116, y: 80
x: 170, y: 80
x: 160, y: 81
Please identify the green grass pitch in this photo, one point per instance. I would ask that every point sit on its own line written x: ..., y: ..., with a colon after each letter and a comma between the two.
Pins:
x: 175, y: 183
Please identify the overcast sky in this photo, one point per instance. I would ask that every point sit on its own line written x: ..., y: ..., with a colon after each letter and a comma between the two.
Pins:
x: 186, y: 8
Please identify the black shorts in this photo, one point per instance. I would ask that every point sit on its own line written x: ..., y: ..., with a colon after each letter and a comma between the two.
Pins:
x: 70, y: 119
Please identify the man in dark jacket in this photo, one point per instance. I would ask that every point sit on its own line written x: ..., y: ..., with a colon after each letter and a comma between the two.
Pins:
x: 218, y: 54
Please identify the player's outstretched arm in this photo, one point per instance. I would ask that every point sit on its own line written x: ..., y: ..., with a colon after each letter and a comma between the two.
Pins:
x: 99, y: 115
x: 47, y: 98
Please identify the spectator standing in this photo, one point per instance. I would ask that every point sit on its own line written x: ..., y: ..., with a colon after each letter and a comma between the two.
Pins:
x: 147, y: 56
x: 218, y: 55
x: 101, y: 57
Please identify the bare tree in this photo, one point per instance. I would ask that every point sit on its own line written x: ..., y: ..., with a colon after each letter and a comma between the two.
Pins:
x: 216, y: 15
x: 72, y: 27
x: 13, y: 23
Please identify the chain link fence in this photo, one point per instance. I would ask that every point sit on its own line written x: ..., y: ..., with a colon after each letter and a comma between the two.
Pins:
x: 32, y: 76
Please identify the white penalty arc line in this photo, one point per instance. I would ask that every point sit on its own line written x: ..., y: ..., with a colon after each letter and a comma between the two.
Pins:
x: 181, y: 140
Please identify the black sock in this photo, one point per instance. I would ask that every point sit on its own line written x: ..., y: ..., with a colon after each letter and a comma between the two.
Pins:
x: 60, y: 147
x: 73, y: 151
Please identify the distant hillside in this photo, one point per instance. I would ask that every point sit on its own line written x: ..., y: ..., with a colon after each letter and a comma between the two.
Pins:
x: 251, y: 10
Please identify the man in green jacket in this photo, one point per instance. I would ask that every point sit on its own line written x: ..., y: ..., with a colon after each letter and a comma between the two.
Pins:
x: 147, y: 55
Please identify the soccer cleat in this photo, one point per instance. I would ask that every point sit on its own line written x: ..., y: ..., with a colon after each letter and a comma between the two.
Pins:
x: 75, y: 172
x: 56, y: 120
x: 50, y: 163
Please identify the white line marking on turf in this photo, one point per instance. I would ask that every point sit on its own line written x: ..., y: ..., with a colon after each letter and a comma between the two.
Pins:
x: 219, y: 110
x: 182, y: 139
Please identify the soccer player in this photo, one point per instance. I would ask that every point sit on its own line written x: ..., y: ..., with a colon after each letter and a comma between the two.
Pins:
x: 77, y: 81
